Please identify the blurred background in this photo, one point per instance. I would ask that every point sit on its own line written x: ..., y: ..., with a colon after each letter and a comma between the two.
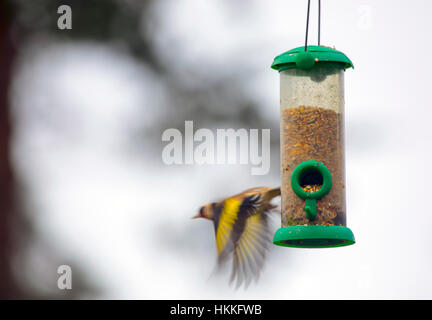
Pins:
x: 82, y: 112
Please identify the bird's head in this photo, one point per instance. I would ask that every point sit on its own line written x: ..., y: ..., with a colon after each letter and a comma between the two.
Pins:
x: 206, y: 211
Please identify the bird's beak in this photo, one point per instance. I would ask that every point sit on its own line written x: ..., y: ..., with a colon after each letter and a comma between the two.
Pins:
x: 196, y: 216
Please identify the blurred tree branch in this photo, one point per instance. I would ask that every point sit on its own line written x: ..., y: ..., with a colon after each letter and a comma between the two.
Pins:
x: 8, y: 287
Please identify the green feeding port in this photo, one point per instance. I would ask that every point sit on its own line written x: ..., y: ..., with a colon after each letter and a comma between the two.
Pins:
x: 311, y: 173
x: 314, y: 173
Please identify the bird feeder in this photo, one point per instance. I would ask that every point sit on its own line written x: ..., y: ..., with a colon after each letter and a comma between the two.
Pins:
x: 312, y: 148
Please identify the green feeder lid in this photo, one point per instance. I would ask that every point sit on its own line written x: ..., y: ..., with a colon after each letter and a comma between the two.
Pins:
x: 314, y: 236
x: 315, y: 55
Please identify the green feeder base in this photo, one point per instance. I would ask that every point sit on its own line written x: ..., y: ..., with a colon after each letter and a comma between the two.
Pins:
x: 314, y: 236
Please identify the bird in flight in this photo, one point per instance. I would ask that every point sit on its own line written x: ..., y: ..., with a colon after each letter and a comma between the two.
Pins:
x: 242, y: 230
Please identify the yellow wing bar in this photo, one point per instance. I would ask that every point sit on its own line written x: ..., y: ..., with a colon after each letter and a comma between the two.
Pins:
x: 227, y: 220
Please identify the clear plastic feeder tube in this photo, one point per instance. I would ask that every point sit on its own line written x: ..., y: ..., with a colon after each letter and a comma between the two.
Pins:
x: 312, y: 128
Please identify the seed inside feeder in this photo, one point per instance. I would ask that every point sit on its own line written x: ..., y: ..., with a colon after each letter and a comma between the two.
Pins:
x: 312, y: 133
x: 311, y: 188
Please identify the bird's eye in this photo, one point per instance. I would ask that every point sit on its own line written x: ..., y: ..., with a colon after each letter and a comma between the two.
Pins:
x: 201, y: 212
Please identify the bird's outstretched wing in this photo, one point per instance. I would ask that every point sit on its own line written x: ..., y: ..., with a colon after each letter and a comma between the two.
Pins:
x: 250, y: 250
x: 230, y: 221
x: 242, y: 230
